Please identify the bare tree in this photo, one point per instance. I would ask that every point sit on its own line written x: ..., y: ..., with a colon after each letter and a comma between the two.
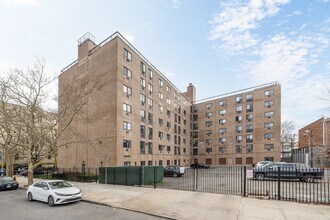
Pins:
x: 37, y: 124
x: 287, y: 131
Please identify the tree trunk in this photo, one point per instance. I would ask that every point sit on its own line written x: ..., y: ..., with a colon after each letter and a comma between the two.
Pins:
x: 30, y: 173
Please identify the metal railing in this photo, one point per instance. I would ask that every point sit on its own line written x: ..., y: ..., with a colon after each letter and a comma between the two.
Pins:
x: 307, y: 186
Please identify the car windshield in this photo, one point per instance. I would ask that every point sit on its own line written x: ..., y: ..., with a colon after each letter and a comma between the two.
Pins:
x: 5, y: 179
x: 59, y: 184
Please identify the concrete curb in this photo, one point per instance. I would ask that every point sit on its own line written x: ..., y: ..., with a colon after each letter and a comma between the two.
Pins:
x: 128, y: 209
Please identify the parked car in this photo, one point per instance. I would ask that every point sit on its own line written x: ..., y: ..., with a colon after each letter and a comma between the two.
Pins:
x: 263, y: 163
x: 287, y: 171
x: 7, y: 182
x: 53, y: 192
x: 200, y: 166
x: 2, y: 172
x: 36, y: 172
x: 174, y: 170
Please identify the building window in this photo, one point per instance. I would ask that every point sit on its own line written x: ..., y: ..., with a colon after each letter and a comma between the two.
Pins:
x: 222, y: 103
x: 127, y: 126
x: 143, y: 115
x: 127, y: 73
x: 161, y: 97
x: 168, y: 89
x: 161, y: 109
x: 127, y: 108
x: 150, y: 118
x: 239, y: 118
x: 269, y: 147
x: 142, y: 83
x: 127, y: 144
x: 238, y: 149
x: 168, y: 137
x: 208, y: 132
x: 142, y: 99
x: 168, y: 112
x: 238, y: 109
x: 142, y: 147
x: 222, y: 150
x: 249, y: 107
x: 222, y: 140
x: 269, y: 159
x: 269, y: 136
x: 168, y: 124
x: 142, y: 131
x: 150, y: 74
x: 168, y: 101
x: 249, y: 117
x: 127, y: 55
x: 209, y: 150
x: 160, y: 163
x: 249, y: 148
x: 269, y: 104
x: 222, y: 130
x: 239, y: 138
x: 143, y: 68
x: 160, y: 135
x: 238, y: 128
x: 161, y: 147
x: 249, y: 128
x: 249, y: 138
x: 150, y: 88
x: 208, y: 123
x: 238, y: 160
x: 161, y: 83
x: 222, y: 112
x: 168, y: 148
x: 269, y: 92
x: 249, y: 97
x: 269, y: 125
x: 150, y: 148
x: 209, y: 114
x: 269, y: 114
x: 160, y: 122
x: 150, y: 103
x: 127, y: 90
x: 222, y: 121
x: 208, y: 141
x: 150, y: 133
x: 238, y: 99
x: 208, y: 106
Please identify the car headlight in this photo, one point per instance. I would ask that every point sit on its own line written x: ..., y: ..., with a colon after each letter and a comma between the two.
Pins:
x: 60, y: 194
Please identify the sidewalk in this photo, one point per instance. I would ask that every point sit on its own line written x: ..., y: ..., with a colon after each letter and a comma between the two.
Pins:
x: 175, y: 204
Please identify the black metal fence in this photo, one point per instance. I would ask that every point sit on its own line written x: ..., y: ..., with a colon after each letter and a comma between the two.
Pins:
x: 276, y: 184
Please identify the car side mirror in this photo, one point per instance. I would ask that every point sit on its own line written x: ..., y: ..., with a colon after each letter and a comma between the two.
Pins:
x: 45, y: 188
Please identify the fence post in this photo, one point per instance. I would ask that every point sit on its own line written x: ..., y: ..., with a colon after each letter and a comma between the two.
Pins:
x: 114, y: 175
x: 155, y: 177
x: 106, y: 175
x: 279, y: 183
x: 126, y: 175
x: 244, y: 183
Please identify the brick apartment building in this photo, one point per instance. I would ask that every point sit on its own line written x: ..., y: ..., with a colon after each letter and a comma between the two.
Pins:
x: 140, y: 118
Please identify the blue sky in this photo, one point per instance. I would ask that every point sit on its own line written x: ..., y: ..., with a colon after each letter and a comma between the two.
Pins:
x: 219, y: 46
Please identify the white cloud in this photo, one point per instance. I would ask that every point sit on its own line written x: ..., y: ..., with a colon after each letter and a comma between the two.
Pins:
x: 20, y: 3
x: 233, y: 25
x: 176, y: 4
x: 128, y: 36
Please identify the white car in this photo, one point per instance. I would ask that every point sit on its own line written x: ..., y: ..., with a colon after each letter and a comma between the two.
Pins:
x: 53, y: 192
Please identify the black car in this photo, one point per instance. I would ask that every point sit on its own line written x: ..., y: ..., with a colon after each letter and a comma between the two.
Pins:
x: 7, y: 182
x: 200, y: 166
x: 36, y: 172
x: 173, y: 170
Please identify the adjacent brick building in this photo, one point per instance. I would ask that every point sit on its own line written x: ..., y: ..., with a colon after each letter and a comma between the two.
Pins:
x: 140, y: 118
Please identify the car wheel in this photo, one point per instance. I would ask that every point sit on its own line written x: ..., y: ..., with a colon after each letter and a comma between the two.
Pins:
x: 260, y: 176
x: 51, y: 201
x: 175, y: 175
x: 30, y: 197
x: 308, y: 179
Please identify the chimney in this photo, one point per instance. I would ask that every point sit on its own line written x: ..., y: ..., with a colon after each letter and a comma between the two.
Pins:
x: 191, y: 92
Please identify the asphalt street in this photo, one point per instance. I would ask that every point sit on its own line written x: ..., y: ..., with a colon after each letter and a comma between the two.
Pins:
x: 14, y: 206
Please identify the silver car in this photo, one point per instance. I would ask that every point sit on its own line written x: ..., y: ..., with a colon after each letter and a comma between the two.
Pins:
x: 53, y: 192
